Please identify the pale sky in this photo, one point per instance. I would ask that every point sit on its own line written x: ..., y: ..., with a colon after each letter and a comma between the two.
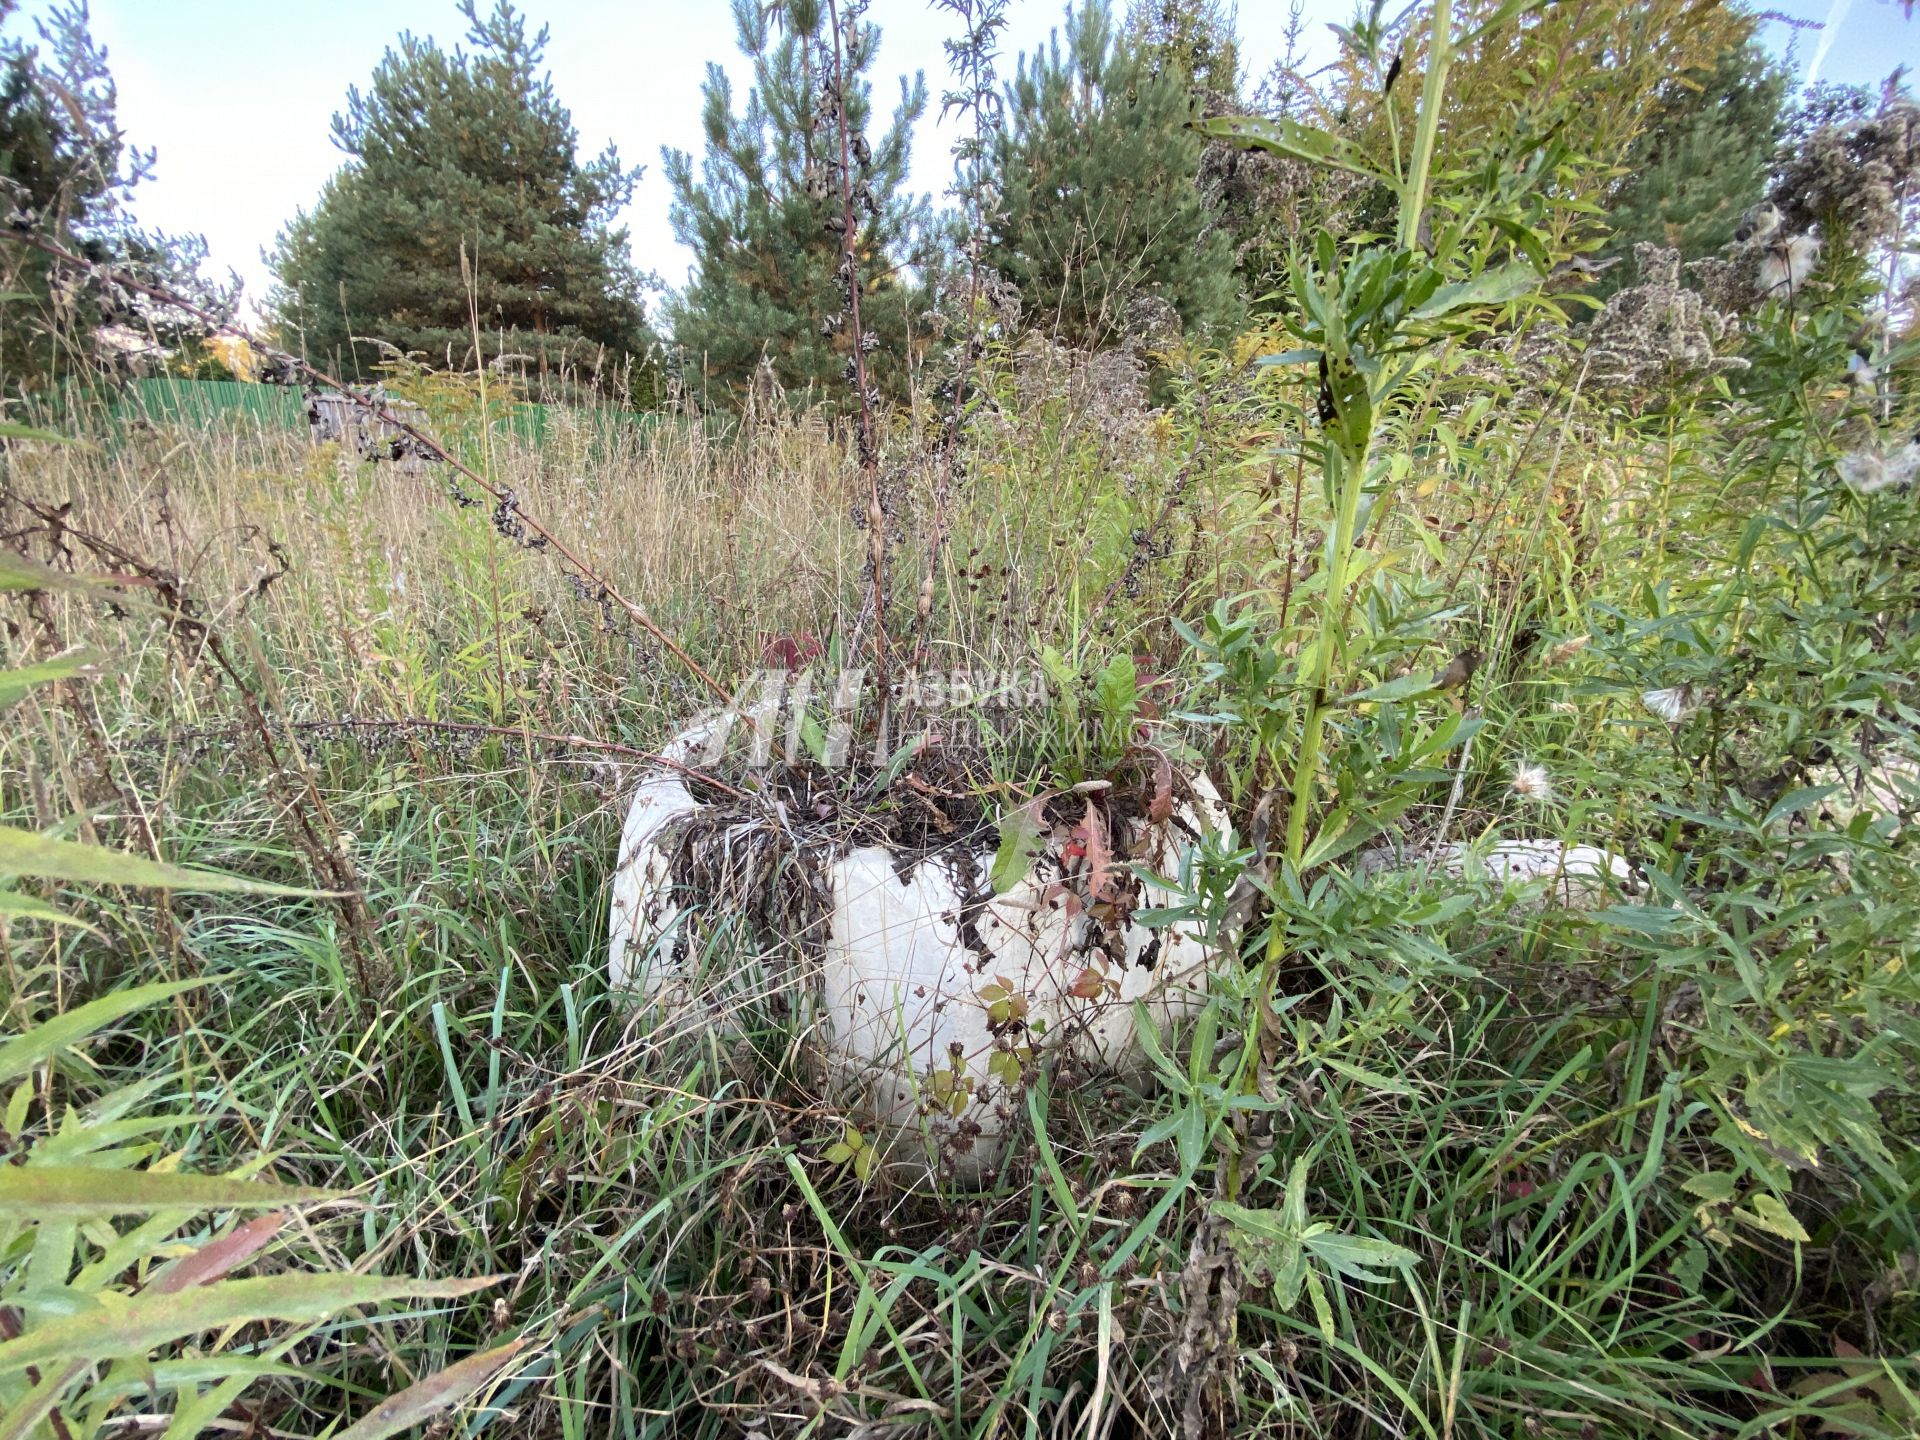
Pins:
x: 237, y: 95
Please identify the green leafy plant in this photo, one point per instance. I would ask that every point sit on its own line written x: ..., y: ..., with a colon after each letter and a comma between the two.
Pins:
x: 1291, y: 1253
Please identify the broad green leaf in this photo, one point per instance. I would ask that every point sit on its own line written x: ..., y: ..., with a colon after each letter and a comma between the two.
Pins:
x: 1117, y: 688
x: 426, y: 1398
x: 1715, y: 1186
x: 1768, y: 1213
x: 1266, y: 1225
x: 1793, y: 802
x: 1291, y: 138
x: 1646, y: 919
x: 1359, y: 1256
x: 15, y: 683
x: 1322, y: 1312
x: 1490, y: 287
x: 1403, y: 688
x: 1290, y: 357
x: 1373, y: 1080
x: 1341, y: 835
x: 22, y: 852
x: 1020, y: 832
x: 16, y: 906
x: 135, y: 1326
x: 29, y: 1191
x: 1296, y: 1202
x: 23, y: 1052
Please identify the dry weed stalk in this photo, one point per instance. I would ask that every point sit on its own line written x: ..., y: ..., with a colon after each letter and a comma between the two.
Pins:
x: 976, y: 55
x: 873, y: 607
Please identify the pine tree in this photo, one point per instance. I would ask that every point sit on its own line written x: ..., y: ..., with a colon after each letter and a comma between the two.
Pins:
x: 764, y: 217
x: 464, y: 207
x: 1702, y: 159
x: 67, y: 174
x: 1195, y: 37
x: 1098, y: 205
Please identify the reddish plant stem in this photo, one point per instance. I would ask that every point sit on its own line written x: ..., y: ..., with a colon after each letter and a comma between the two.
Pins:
x: 943, y: 486
x: 1293, y: 532
x: 869, y: 441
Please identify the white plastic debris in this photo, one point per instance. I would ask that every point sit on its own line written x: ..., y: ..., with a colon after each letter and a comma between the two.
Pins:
x: 1574, y: 876
x: 645, y: 922
x: 932, y: 991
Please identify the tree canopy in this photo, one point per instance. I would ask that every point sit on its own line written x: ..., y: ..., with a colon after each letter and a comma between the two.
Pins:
x: 1703, y: 158
x: 765, y: 215
x: 464, y: 224
x: 67, y: 171
x: 1097, y: 201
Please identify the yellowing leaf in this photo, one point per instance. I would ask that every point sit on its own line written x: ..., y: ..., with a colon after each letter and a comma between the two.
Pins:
x: 426, y: 1398
x: 1768, y: 1213
x: 76, y: 1191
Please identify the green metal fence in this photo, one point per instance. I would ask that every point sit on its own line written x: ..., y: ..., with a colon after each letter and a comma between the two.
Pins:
x: 206, y: 404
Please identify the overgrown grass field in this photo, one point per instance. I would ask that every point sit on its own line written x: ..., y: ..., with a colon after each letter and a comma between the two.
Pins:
x: 316, y: 1092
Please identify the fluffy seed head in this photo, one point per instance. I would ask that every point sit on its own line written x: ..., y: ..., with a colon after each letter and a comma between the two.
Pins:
x: 1673, y: 704
x: 1532, y: 783
x: 1870, y: 469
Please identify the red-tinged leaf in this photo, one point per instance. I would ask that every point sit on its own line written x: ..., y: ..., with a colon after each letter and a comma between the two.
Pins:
x: 217, y: 1257
x: 1065, y: 895
x: 1087, y: 985
x: 426, y: 1398
x: 1102, y: 875
x: 1161, y: 809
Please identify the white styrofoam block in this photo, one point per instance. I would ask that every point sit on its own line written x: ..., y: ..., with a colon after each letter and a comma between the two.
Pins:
x: 913, y: 942
x: 1576, y: 876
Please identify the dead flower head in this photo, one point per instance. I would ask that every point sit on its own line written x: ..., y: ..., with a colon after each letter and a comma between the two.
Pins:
x: 1786, y: 267
x: 1658, y: 331
x: 1565, y: 651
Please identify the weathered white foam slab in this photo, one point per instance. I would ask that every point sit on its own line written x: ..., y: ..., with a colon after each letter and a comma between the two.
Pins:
x: 925, y: 976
